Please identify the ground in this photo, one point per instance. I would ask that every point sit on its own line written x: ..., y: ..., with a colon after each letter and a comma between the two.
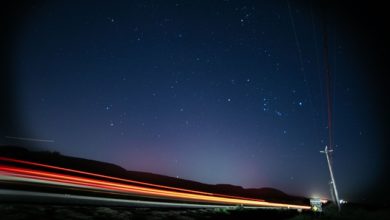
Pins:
x: 61, y: 212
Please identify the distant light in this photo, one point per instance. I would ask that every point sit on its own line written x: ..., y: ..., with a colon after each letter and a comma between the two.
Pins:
x: 300, y: 103
x: 316, y: 204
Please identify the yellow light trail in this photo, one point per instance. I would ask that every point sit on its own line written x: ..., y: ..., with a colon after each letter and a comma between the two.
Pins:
x: 119, y: 179
x: 133, y: 189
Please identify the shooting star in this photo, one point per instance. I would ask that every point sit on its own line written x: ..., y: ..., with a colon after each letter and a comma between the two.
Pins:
x: 29, y: 139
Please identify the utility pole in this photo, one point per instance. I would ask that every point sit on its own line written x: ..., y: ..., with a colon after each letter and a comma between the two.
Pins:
x: 328, y: 85
x: 333, y: 182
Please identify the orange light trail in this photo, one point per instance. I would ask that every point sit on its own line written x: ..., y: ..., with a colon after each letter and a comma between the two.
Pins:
x: 100, y: 175
x: 120, y: 179
x: 133, y: 189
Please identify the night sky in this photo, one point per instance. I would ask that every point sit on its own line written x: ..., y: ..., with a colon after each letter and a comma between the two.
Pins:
x: 212, y: 91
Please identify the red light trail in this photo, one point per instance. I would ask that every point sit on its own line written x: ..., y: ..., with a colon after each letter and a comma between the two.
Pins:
x: 146, y: 189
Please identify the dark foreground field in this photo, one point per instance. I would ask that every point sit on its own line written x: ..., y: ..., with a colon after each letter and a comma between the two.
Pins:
x: 36, y: 212
x: 19, y: 211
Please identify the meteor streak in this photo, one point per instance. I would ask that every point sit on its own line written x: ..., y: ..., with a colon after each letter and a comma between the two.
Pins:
x: 29, y: 139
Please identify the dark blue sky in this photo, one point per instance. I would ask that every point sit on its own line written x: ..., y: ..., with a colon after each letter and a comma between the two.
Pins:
x: 212, y: 91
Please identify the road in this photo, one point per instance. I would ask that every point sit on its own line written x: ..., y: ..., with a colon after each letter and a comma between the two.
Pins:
x: 75, y: 186
x: 57, y: 198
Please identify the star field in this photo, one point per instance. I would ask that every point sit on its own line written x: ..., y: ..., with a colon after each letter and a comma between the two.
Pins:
x: 217, y: 92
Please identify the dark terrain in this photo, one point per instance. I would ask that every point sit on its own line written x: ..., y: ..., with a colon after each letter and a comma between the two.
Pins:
x: 23, y: 211
x: 57, y: 212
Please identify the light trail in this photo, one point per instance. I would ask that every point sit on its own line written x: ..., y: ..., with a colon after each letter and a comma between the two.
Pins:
x: 84, y: 182
x: 119, y: 179
x: 109, y: 201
